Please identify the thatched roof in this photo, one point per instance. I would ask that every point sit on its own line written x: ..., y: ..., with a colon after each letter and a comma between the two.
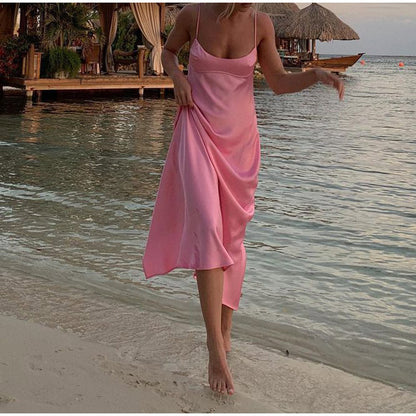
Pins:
x: 280, y: 13
x: 276, y: 9
x: 316, y: 22
x: 171, y: 11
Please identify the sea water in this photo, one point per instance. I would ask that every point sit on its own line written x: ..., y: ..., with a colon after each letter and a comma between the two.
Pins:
x: 331, y: 250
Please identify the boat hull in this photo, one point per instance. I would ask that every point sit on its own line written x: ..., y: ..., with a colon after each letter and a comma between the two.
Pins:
x: 337, y: 64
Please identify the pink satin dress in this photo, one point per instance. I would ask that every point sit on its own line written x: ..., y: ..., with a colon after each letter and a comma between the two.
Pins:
x: 206, y: 191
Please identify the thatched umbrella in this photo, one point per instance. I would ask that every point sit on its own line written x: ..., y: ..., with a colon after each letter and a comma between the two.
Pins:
x: 277, y: 9
x: 278, y: 12
x: 317, y: 22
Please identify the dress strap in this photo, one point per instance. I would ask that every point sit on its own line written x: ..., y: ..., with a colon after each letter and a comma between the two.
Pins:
x: 255, y: 27
x: 197, y: 21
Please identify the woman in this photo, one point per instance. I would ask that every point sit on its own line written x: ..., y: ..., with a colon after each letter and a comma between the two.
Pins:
x: 206, y: 193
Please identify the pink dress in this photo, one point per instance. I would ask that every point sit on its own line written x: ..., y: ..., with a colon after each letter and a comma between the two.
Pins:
x: 206, y: 191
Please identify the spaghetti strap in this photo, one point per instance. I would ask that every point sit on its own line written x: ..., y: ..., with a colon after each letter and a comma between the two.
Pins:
x: 197, y: 21
x: 255, y: 27
x: 200, y: 224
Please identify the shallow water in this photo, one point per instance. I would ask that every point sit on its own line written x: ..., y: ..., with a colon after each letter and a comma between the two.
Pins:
x: 331, y: 269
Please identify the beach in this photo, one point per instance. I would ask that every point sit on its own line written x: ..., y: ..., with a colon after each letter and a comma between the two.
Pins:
x: 64, y: 351
x: 326, y: 321
x: 330, y: 256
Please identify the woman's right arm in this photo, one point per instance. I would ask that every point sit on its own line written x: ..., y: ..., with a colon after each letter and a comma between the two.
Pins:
x: 180, y: 34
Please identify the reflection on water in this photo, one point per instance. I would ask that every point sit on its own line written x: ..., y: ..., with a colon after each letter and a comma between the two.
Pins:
x: 331, y: 249
x: 83, y: 177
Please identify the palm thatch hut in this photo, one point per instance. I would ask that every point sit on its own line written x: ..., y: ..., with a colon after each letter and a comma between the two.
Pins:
x: 279, y: 14
x: 316, y: 22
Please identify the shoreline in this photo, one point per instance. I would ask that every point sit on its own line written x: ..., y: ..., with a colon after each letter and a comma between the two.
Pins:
x: 66, y: 351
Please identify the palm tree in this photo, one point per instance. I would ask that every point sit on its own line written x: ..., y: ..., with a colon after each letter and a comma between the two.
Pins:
x: 64, y: 22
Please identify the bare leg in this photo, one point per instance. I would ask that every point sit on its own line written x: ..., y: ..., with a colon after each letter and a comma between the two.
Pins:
x: 226, y: 322
x: 210, y: 287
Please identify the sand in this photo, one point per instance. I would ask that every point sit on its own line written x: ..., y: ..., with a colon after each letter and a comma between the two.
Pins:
x: 63, y: 351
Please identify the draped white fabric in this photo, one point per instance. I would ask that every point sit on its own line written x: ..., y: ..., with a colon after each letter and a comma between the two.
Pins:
x: 148, y: 18
x: 108, y: 22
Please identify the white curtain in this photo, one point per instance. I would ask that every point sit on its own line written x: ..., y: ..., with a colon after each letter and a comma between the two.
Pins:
x: 148, y: 18
x: 108, y: 22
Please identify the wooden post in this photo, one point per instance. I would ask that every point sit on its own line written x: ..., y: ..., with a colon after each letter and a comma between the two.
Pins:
x: 162, y: 17
x: 23, y: 19
x: 24, y: 67
x: 162, y: 93
x: 36, y: 64
x: 141, y: 93
x: 29, y: 93
x: 313, y: 48
x: 140, y: 58
x: 31, y: 61
x: 37, y: 95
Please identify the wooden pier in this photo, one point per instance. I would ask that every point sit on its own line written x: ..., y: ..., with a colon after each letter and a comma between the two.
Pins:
x: 116, y: 81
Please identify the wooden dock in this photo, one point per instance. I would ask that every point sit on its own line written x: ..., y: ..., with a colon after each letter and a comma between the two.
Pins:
x: 117, y: 81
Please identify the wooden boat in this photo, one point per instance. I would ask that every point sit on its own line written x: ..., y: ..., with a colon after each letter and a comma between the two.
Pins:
x: 336, y: 64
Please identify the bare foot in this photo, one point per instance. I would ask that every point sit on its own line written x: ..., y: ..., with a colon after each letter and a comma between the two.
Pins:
x: 219, y: 375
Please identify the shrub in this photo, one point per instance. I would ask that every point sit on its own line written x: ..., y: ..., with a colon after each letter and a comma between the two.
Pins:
x: 12, y: 51
x: 60, y: 59
x: 7, y: 64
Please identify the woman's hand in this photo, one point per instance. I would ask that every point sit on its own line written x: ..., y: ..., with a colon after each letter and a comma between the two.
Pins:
x: 182, y: 90
x: 330, y: 79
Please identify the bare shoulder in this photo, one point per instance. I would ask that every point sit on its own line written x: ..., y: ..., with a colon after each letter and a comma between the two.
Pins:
x: 265, y: 26
x: 187, y: 16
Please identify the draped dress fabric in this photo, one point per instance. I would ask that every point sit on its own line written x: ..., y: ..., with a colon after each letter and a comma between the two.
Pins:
x: 206, y: 192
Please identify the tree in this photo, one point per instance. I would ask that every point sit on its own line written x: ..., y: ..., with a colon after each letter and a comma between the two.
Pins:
x: 63, y: 23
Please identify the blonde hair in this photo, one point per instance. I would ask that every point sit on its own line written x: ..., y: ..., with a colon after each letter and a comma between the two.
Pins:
x: 227, y: 12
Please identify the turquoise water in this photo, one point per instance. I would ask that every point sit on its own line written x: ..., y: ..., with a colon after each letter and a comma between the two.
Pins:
x: 331, y: 270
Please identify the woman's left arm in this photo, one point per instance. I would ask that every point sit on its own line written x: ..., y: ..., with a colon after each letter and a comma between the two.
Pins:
x: 280, y: 81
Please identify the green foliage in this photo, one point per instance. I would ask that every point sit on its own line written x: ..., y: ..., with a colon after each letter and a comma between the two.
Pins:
x: 64, y: 23
x: 60, y: 59
x: 128, y: 34
x: 14, y: 48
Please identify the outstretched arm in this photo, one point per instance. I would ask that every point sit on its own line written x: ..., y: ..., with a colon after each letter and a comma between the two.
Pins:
x: 280, y: 81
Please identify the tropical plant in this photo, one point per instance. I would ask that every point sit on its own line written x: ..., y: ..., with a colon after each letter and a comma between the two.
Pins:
x: 58, y: 60
x: 13, y: 49
x: 64, y: 23
x: 128, y: 34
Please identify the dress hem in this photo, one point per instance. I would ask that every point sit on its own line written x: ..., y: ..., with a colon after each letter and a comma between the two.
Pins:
x: 188, y: 267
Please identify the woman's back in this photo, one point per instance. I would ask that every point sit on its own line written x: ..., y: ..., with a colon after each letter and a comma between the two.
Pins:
x: 222, y: 88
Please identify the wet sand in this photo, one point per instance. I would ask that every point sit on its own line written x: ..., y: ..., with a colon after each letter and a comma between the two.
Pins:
x: 64, y: 350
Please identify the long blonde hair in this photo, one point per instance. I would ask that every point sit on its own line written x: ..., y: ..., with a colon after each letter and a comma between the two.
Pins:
x: 229, y: 10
